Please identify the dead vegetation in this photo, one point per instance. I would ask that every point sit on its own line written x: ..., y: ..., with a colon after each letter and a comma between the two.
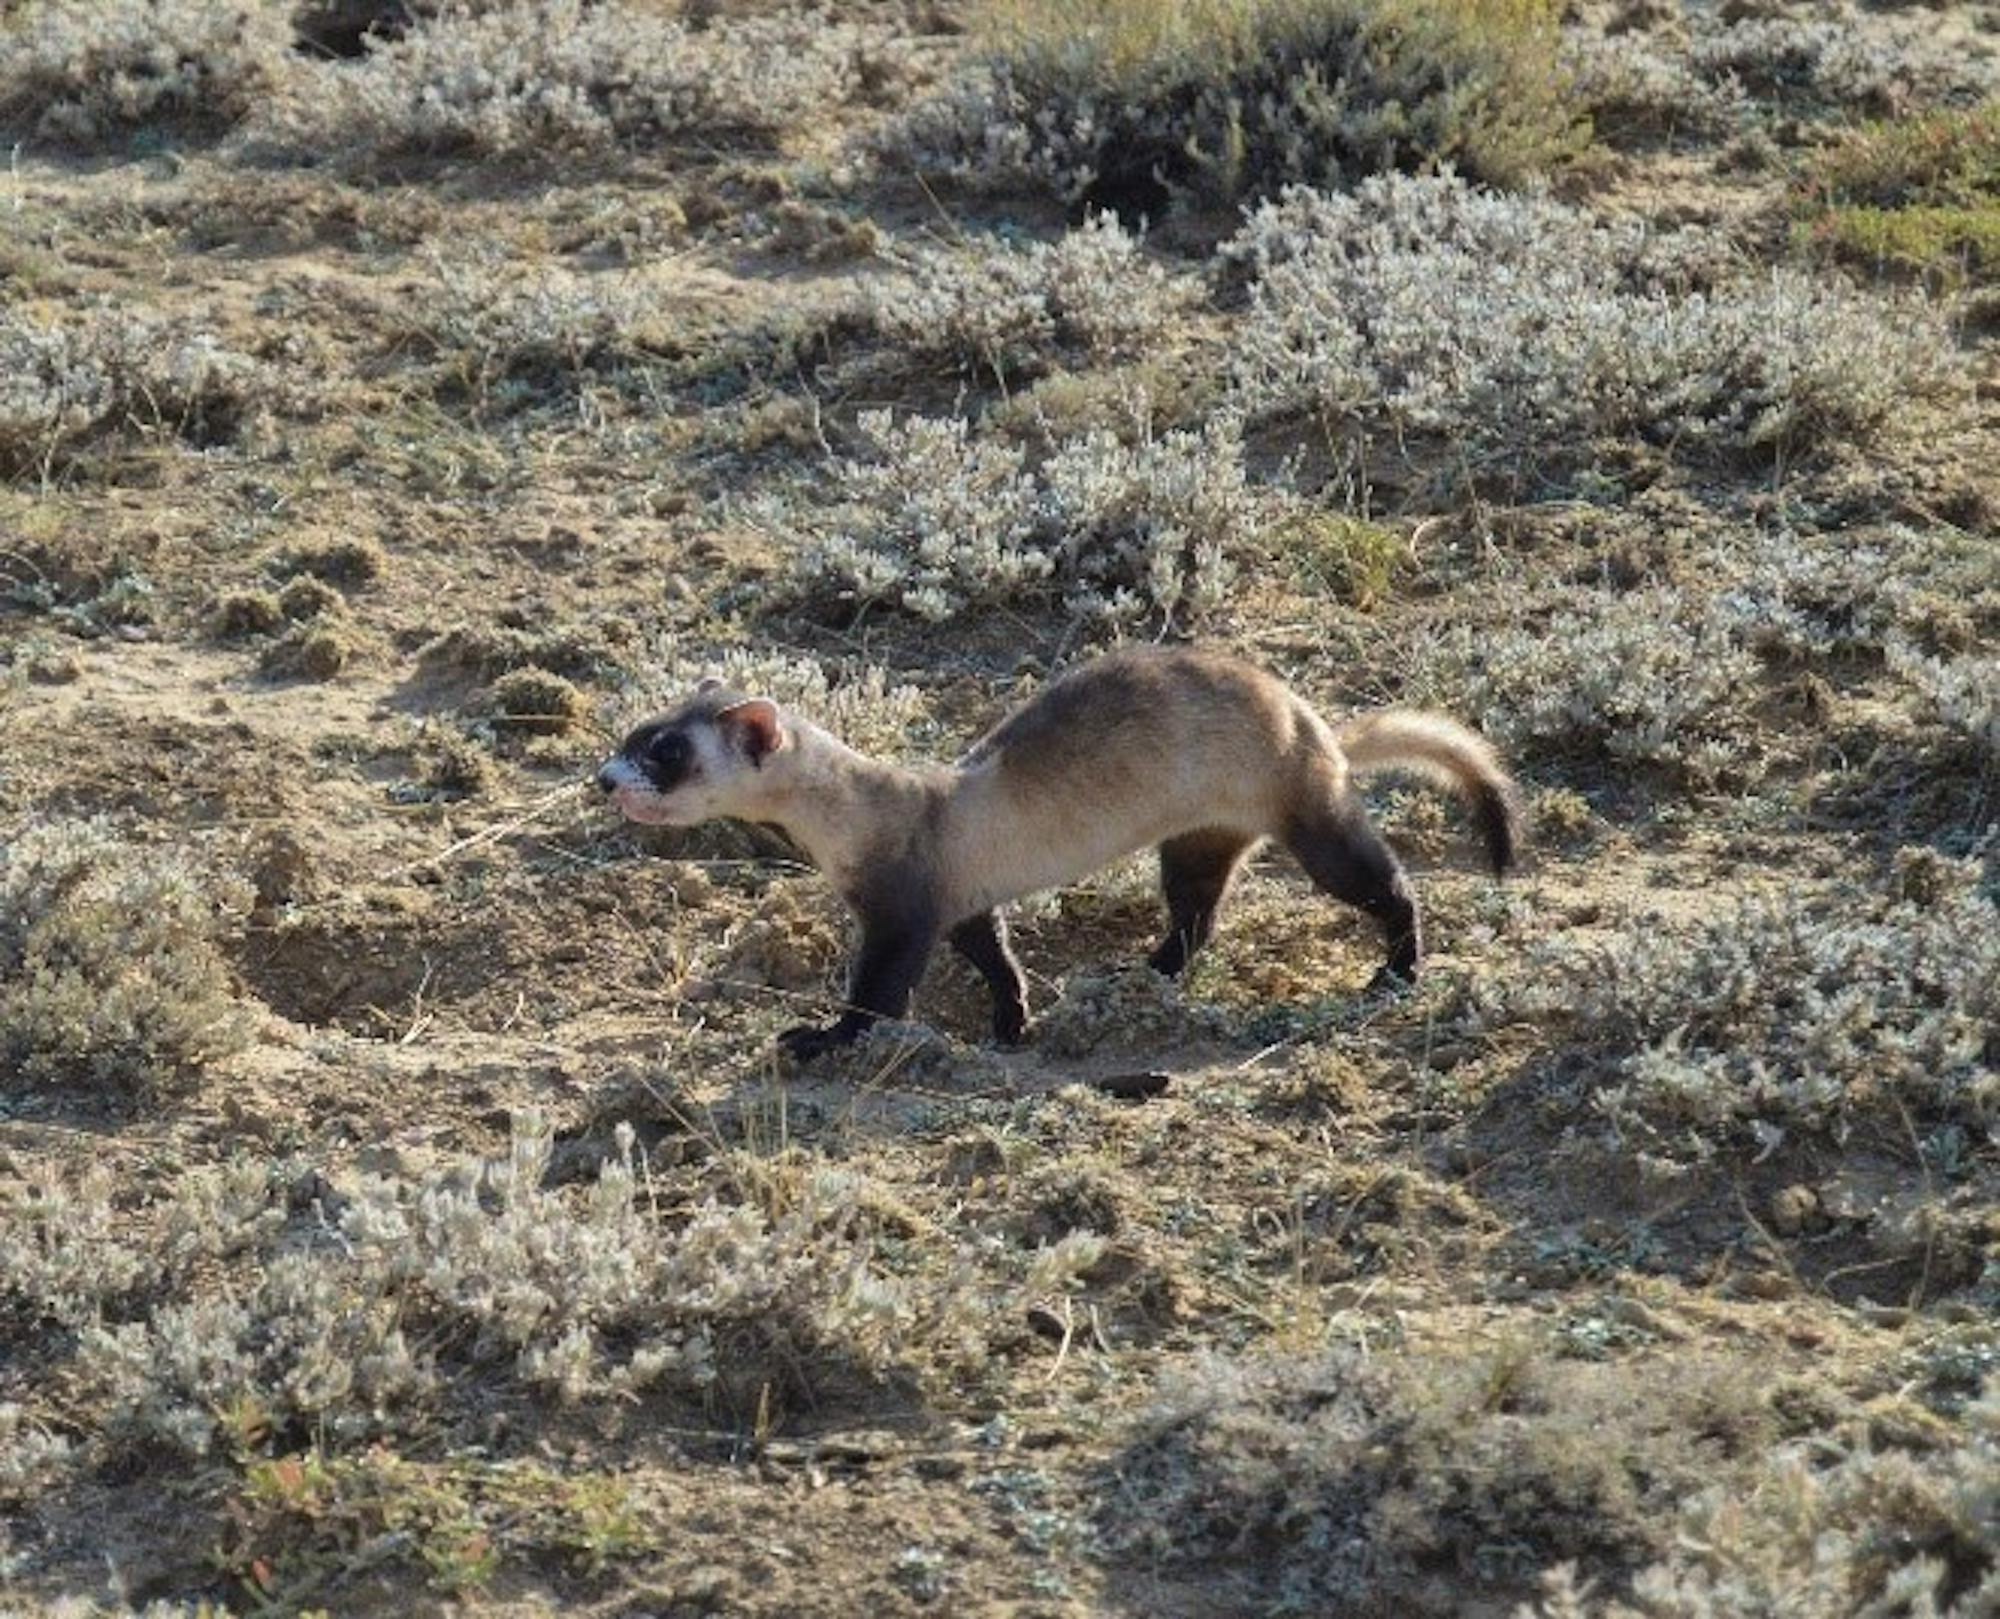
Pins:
x: 402, y: 1206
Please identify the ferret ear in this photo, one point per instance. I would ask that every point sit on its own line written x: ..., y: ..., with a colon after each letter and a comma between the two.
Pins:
x: 754, y: 726
x: 708, y: 684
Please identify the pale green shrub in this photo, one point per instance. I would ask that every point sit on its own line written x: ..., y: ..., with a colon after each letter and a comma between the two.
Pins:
x: 1322, y: 1483
x: 69, y: 1254
x: 1652, y: 677
x: 855, y: 698
x: 1522, y: 329
x: 1719, y: 75
x: 940, y: 524
x: 1795, y: 1014
x: 513, y: 331
x: 1010, y: 310
x: 1830, y: 63
x: 90, y: 71
x: 546, y: 74
x: 64, y: 383
x: 1639, y: 87
x: 1801, y: 597
x: 59, y: 1259
x: 480, y: 1266
x: 30, y: 1456
x: 1129, y: 102
x: 1962, y: 693
x: 1826, y: 1533
x: 110, y: 976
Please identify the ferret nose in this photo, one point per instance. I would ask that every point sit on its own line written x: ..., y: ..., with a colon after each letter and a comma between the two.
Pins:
x: 607, y: 783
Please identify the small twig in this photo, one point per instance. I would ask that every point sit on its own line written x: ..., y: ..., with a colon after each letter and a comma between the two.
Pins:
x: 1923, y: 1282
x: 1069, y: 1335
x: 492, y: 834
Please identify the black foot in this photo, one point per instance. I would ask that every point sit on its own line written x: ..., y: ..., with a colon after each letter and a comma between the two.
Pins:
x: 1010, y: 1023
x: 1388, y: 983
x: 808, y: 1041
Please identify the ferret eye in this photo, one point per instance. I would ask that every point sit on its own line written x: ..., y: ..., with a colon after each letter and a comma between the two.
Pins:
x: 671, y: 755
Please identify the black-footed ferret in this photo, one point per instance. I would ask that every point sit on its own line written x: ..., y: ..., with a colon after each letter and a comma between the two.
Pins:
x: 1193, y: 750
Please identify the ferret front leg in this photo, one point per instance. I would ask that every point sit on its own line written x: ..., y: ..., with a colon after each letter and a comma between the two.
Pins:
x: 893, y: 954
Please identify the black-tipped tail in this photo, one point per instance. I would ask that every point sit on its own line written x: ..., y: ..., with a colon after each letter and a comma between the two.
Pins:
x: 1497, y: 812
x: 1438, y: 747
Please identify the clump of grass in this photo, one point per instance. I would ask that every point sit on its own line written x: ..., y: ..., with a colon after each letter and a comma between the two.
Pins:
x: 111, y: 979
x: 526, y: 78
x: 64, y: 384
x: 1949, y: 155
x: 308, y: 597
x: 1011, y: 311
x: 1523, y: 329
x: 315, y: 649
x: 241, y: 613
x: 92, y: 72
x: 312, y: 1520
x: 1804, y: 1014
x: 1132, y: 103
x: 942, y: 524
x: 538, y: 703
x: 1953, y: 243
x: 454, y: 767
x: 1134, y: 1008
x: 1353, y: 559
x: 578, y: 650
x: 1919, y: 196
x: 348, y: 562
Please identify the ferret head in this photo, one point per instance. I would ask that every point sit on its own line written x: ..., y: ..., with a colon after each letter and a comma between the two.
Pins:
x: 715, y: 755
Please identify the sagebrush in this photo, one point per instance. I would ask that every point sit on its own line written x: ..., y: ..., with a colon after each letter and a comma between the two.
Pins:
x: 1136, y: 103
x: 111, y: 977
x: 940, y: 522
x: 1527, y: 329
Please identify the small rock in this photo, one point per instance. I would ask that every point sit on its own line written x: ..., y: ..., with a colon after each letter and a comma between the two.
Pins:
x: 1761, y: 1284
x: 1793, y: 1208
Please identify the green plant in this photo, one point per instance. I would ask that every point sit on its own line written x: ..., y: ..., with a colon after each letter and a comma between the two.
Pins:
x: 1521, y: 329
x: 1919, y: 195
x: 1351, y: 558
x: 107, y: 371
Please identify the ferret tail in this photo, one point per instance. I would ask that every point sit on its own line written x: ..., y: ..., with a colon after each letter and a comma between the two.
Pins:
x: 1443, y: 751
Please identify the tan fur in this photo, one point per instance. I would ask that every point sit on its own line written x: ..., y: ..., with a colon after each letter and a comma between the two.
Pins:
x: 1429, y: 745
x: 1121, y: 754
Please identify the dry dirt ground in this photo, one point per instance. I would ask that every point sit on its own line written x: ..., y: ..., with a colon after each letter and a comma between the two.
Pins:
x: 1372, y: 1307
